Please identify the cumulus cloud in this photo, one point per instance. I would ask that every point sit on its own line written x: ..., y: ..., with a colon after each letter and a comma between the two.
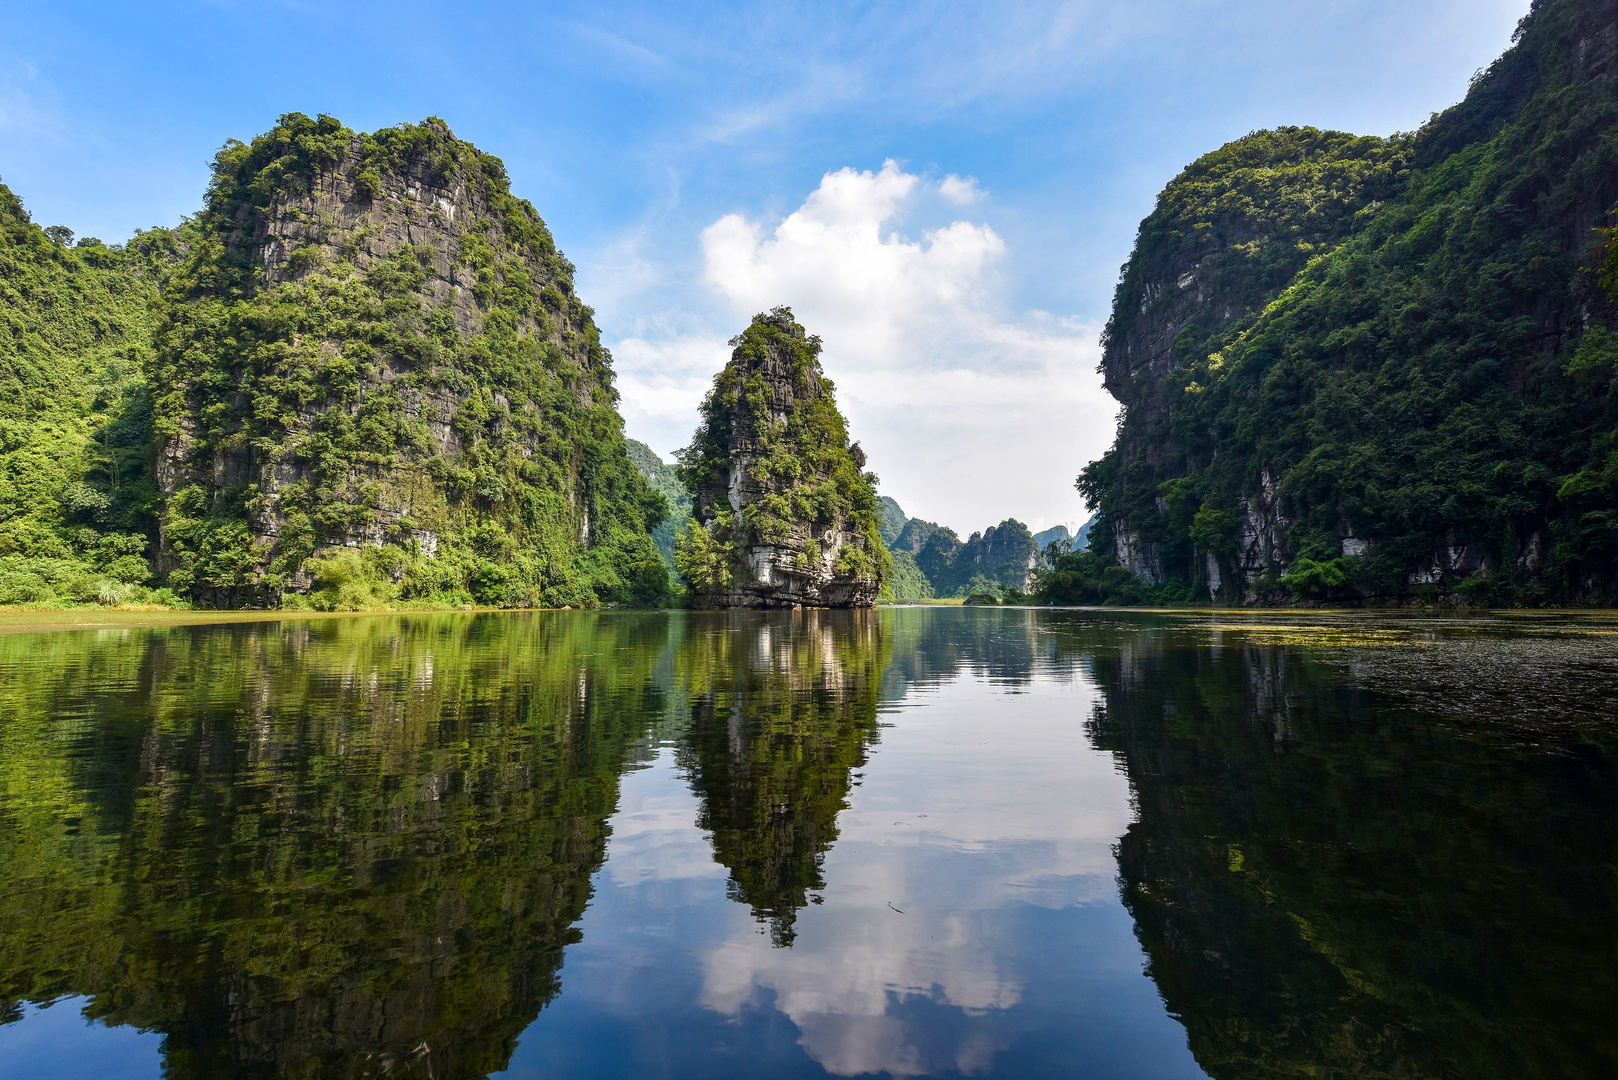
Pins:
x: 661, y: 381
x: 970, y: 412
x: 960, y: 191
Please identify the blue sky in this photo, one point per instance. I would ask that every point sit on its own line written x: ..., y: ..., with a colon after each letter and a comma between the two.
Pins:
x: 943, y: 192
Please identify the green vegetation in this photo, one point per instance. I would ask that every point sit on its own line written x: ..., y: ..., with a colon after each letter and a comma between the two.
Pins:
x: 665, y: 479
x: 1081, y: 577
x: 772, y: 417
x: 905, y: 581
x: 77, y: 500
x: 317, y: 385
x: 1402, y: 342
x: 893, y: 519
x: 931, y: 560
x: 362, y: 344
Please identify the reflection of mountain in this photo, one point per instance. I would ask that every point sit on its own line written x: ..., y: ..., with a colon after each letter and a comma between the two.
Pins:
x: 783, y: 709
x: 985, y: 814
x: 1004, y: 645
x: 323, y: 848
x: 1330, y: 886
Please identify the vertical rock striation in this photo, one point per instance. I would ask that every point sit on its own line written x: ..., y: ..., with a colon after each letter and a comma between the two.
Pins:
x: 783, y: 514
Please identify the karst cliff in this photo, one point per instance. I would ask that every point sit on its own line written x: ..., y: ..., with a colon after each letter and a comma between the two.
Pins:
x: 359, y: 376
x: 1381, y: 369
x: 784, y: 514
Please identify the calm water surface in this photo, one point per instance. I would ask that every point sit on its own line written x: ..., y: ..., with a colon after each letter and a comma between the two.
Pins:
x: 916, y: 842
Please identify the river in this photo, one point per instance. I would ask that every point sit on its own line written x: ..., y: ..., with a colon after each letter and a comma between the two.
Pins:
x: 903, y: 842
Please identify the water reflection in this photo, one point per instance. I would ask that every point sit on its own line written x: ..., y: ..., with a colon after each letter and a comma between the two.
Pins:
x: 783, y: 709
x: 326, y: 848
x: 1330, y: 883
x: 815, y: 843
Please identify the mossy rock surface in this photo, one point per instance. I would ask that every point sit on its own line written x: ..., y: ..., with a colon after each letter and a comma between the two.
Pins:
x: 784, y: 513
x: 372, y: 345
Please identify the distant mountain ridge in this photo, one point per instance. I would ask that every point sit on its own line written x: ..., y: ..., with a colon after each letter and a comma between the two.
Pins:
x: 931, y: 557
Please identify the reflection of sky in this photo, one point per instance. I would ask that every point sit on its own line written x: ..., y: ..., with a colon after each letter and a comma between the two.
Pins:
x: 33, y: 1046
x: 969, y: 925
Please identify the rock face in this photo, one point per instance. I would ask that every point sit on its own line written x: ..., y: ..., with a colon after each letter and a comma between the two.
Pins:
x: 1363, y: 369
x: 1226, y: 236
x: 784, y: 516
x: 375, y: 345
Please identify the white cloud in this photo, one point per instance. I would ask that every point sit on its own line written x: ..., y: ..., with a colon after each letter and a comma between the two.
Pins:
x: 960, y: 191
x: 661, y: 382
x: 968, y: 413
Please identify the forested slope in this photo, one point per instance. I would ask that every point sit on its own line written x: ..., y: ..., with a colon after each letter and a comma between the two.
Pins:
x: 360, y: 375
x: 1365, y: 368
x: 77, y: 501
x: 374, y: 347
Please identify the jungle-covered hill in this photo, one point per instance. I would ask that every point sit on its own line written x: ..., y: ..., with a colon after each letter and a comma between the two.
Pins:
x: 1379, y: 368
x: 360, y: 375
x: 931, y: 560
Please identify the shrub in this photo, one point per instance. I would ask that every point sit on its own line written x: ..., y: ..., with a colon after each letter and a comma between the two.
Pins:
x: 344, y: 582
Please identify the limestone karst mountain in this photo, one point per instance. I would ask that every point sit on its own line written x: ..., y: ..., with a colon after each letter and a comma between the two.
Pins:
x: 1000, y: 557
x: 373, y: 347
x: 360, y: 373
x: 1381, y: 368
x: 784, y: 513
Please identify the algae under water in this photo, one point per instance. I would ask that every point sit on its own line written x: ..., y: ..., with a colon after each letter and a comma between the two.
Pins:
x: 912, y: 842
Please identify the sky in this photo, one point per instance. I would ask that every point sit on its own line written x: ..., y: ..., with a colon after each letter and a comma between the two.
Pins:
x: 944, y: 193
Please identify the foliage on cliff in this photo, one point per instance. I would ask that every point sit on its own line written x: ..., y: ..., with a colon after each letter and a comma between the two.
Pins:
x: 893, y: 519
x: 665, y: 479
x: 1402, y: 341
x: 301, y: 387
x: 76, y: 494
x: 771, y: 433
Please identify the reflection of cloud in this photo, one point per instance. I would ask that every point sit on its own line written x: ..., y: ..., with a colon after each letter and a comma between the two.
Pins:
x: 654, y: 839
x: 967, y: 412
x: 1011, y: 829
x: 841, y: 998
